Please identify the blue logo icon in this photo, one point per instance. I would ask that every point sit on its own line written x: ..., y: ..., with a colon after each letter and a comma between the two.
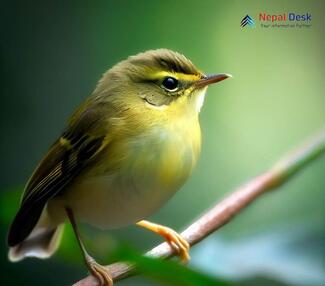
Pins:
x: 247, y: 20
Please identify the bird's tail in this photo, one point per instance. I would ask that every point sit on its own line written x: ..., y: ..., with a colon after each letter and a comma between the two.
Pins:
x: 42, y: 242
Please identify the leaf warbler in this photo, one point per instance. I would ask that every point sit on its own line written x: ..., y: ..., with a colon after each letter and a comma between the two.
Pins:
x: 125, y: 151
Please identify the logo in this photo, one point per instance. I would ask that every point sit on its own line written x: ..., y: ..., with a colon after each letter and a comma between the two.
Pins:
x: 281, y: 20
x: 247, y: 20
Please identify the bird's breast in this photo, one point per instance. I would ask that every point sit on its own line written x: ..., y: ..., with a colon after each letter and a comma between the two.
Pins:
x: 145, y: 171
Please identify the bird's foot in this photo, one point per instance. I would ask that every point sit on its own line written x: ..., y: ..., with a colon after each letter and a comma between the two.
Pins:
x: 177, y: 242
x: 99, y: 271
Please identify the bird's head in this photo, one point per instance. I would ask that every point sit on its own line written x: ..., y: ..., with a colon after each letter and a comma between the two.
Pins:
x: 158, y: 80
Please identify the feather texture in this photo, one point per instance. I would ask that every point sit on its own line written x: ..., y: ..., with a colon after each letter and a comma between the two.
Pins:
x: 70, y: 155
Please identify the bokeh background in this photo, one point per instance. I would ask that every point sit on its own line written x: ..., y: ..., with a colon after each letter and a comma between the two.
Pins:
x: 52, y: 54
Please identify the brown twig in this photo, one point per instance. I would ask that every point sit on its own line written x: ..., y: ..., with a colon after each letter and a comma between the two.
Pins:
x: 225, y: 210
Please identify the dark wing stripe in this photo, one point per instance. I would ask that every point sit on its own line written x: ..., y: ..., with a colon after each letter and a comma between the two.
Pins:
x: 38, y: 194
x: 50, y: 186
x: 78, y: 146
x: 43, y: 184
x: 76, y: 149
x: 33, y: 204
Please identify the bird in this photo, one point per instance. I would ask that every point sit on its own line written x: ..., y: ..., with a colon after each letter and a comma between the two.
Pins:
x: 122, y: 155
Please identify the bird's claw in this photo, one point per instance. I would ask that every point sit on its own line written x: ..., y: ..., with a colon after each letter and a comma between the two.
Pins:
x: 177, y: 242
x: 100, y: 272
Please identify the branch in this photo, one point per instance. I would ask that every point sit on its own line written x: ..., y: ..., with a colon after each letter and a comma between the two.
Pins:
x: 225, y: 210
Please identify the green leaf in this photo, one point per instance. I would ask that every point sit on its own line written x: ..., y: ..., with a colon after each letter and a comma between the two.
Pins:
x: 171, y: 272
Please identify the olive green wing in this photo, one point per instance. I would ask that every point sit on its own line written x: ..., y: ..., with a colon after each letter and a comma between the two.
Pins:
x: 78, y: 146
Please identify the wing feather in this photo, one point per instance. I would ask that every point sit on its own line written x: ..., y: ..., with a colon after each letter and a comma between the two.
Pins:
x: 81, y: 142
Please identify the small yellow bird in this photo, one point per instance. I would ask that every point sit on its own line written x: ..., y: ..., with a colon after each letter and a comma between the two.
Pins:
x: 125, y: 151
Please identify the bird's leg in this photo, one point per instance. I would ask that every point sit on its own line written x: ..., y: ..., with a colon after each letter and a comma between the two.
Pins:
x: 172, y: 237
x: 97, y: 270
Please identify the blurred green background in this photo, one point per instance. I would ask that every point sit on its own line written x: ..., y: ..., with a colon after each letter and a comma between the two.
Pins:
x: 53, y: 53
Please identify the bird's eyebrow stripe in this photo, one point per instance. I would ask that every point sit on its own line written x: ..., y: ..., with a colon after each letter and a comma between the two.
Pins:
x: 177, y: 75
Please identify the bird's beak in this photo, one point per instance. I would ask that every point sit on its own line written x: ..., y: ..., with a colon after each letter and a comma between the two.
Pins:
x: 210, y: 79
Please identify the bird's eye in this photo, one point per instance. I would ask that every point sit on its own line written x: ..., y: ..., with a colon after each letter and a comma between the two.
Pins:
x: 170, y: 83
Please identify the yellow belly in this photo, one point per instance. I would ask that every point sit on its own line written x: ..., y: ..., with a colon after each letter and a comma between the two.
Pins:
x: 152, y: 168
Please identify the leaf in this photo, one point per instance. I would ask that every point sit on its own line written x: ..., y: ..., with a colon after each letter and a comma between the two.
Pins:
x: 171, y: 272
